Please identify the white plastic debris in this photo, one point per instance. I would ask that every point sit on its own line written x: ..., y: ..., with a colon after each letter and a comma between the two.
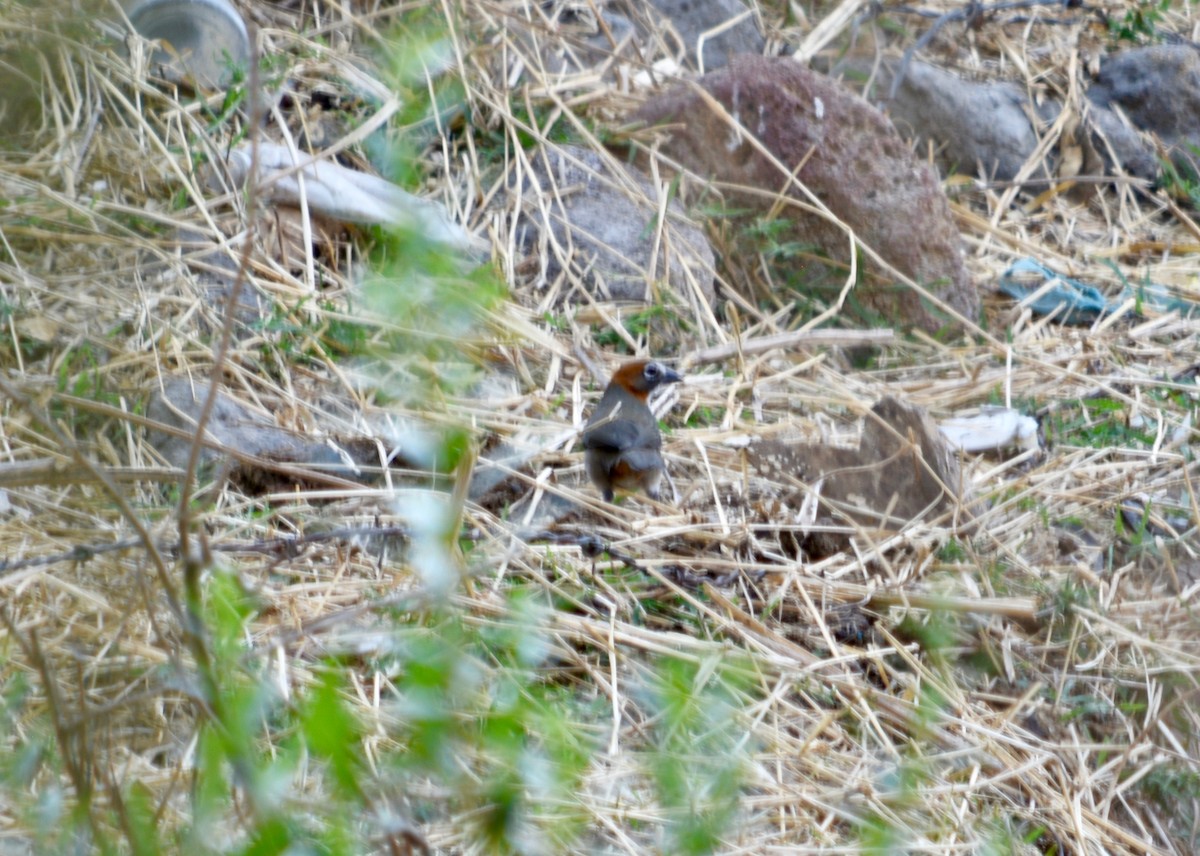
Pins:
x: 667, y: 68
x: 994, y: 428
x: 345, y: 195
x: 809, y: 506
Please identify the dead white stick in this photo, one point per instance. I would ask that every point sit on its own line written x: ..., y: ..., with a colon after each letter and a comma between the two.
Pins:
x: 346, y: 195
x: 794, y: 339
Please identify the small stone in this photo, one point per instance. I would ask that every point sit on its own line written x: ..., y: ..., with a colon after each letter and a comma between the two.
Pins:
x: 233, y: 425
x: 902, y: 471
x: 597, y: 219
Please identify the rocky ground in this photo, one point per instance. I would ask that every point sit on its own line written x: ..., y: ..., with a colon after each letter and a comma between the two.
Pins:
x: 923, y: 574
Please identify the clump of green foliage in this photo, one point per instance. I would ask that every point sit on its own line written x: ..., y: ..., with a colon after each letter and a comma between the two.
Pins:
x: 1139, y: 23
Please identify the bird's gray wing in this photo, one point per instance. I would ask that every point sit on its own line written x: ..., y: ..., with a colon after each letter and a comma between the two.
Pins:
x: 615, y: 435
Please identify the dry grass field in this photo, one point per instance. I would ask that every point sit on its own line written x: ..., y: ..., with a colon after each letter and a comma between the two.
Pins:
x: 240, y: 653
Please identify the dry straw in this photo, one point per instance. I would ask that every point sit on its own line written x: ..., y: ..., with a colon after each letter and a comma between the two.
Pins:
x: 1056, y: 730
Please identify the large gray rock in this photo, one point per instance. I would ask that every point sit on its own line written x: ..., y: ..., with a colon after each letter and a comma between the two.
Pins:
x: 1158, y: 88
x: 572, y: 37
x: 592, y: 216
x: 987, y: 127
x: 1120, y: 145
x: 693, y: 19
x: 847, y: 153
x: 576, y: 38
x: 974, y: 125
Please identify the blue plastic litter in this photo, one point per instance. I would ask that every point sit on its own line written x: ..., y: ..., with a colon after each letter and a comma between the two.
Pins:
x: 1073, y: 302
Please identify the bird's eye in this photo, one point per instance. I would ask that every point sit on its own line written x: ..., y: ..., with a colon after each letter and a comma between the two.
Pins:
x: 651, y: 371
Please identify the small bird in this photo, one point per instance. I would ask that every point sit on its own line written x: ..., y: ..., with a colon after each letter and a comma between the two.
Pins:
x: 621, y: 440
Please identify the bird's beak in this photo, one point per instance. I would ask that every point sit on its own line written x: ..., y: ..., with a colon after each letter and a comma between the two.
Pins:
x: 671, y: 376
